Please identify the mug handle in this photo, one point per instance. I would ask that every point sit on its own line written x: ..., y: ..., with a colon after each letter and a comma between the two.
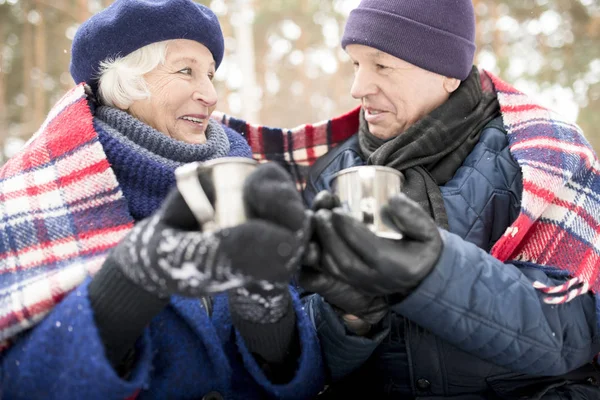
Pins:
x: 189, y: 186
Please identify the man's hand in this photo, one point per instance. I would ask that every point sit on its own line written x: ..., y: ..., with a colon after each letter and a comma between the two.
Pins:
x: 356, y: 307
x: 342, y: 296
x: 377, y: 266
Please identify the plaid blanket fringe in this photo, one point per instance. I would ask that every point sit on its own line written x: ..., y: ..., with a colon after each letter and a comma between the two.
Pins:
x: 69, y: 210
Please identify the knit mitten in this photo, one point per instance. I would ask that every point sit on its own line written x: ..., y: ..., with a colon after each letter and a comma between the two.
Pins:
x: 168, y: 254
x: 264, y: 315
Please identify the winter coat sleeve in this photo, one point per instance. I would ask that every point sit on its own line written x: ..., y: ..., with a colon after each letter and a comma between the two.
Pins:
x: 343, y: 352
x: 491, y: 310
x: 309, y: 379
x: 63, y: 358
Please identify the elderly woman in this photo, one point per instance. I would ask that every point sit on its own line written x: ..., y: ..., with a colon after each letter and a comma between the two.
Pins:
x: 98, y: 179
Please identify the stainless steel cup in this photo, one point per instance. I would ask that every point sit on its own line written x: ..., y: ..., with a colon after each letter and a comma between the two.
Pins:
x: 227, y: 176
x: 364, y: 190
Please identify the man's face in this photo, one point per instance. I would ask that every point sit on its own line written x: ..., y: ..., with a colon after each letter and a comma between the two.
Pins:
x: 394, y: 93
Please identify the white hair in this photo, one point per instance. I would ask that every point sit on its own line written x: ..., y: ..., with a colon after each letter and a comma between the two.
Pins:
x: 121, y: 79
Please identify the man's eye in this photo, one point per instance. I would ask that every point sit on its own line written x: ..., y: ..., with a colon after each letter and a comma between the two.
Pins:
x: 187, y: 71
x: 211, y: 75
x: 379, y: 66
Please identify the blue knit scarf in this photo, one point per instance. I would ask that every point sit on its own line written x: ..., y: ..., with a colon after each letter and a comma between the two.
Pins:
x: 144, y: 159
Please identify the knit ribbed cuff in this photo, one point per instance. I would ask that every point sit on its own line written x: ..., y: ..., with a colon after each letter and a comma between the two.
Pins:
x: 271, y: 341
x: 121, y: 309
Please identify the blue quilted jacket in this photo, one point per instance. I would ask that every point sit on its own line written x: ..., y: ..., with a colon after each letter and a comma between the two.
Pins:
x: 184, y: 354
x: 475, y: 328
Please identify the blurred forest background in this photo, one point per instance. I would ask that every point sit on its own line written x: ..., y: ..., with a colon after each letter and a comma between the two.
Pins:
x: 284, y: 65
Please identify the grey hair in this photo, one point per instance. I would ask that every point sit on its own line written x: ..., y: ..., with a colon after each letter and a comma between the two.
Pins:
x: 121, y: 79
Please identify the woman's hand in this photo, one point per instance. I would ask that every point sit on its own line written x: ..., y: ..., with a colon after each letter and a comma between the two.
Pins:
x: 169, y: 254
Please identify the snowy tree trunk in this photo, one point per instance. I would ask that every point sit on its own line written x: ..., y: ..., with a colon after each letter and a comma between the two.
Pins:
x: 243, y: 22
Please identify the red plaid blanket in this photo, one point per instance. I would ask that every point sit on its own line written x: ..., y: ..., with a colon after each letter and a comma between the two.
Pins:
x: 559, y: 223
x: 62, y: 208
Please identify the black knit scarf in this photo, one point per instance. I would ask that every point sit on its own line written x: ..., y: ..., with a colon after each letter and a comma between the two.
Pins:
x: 430, y: 151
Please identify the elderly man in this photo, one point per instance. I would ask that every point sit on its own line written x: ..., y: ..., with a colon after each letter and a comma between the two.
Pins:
x: 486, y: 296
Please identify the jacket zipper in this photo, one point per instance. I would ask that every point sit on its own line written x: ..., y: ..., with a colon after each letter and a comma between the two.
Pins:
x: 207, y: 304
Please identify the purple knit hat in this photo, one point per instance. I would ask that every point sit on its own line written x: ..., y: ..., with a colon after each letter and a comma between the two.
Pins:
x: 436, y: 35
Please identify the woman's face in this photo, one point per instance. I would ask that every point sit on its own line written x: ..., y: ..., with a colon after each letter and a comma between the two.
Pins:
x: 182, y: 95
x: 394, y: 93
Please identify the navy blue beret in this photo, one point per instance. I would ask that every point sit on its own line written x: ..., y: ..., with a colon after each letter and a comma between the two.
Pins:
x: 127, y: 25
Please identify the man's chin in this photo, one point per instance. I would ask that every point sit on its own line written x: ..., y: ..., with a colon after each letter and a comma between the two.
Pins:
x: 381, y: 132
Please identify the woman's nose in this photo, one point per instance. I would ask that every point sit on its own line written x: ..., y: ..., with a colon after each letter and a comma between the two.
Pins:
x: 206, y: 93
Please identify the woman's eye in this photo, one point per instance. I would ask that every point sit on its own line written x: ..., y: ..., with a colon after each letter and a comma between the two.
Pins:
x: 379, y: 66
x: 211, y: 75
x: 187, y: 71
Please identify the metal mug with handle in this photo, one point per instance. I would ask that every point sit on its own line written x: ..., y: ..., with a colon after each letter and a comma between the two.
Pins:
x: 227, y: 176
x: 364, y: 190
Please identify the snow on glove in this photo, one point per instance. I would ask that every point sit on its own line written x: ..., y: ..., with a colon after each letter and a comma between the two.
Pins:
x: 168, y: 253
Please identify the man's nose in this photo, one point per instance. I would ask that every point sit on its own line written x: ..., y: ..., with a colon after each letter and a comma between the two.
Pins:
x: 363, y: 84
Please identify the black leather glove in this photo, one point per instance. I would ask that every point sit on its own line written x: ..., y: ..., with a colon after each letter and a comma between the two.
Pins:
x: 374, y: 265
x: 341, y: 295
x: 168, y: 253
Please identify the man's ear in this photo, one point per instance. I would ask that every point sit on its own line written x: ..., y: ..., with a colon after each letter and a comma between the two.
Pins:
x: 451, y: 84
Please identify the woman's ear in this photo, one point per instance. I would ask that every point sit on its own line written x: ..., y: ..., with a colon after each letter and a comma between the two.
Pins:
x: 451, y: 84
